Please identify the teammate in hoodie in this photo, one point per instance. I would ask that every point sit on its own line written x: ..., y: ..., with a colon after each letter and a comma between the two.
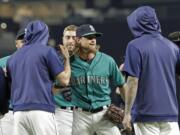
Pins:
x: 31, y: 71
x: 150, y: 65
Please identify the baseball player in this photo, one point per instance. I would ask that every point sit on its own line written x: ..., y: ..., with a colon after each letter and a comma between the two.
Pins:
x: 175, y: 37
x: 92, y: 72
x: 64, y: 107
x: 6, y: 123
x: 18, y: 43
x: 4, y: 94
x: 31, y: 71
x: 150, y: 65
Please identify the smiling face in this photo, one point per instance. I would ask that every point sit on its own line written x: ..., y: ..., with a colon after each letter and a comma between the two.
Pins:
x: 88, y: 43
x: 69, y: 38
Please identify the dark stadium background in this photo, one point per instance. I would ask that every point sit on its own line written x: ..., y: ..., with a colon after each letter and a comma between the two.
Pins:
x: 108, y: 17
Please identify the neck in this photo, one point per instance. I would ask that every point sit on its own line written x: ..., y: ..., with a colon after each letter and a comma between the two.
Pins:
x: 87, y: 56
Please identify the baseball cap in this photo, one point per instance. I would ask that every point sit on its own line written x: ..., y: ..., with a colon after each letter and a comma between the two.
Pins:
x: 20, y: 34
x: 174, y: 36
x: 87, y: 30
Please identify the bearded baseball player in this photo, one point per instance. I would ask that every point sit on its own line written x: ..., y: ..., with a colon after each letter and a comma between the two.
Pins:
x: 64, y: 107
x: 91, y: 74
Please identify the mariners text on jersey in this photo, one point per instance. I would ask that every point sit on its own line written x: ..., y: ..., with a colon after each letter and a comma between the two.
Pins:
x: 89, y: 80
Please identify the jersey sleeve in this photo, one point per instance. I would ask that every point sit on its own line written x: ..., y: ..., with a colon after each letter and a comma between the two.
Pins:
x: 116, y: 75
x: 3, y: 61
x: 55, y: 65
x: 132, y: 64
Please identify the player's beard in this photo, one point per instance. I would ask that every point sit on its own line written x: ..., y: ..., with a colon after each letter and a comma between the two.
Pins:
x: 88, y: 49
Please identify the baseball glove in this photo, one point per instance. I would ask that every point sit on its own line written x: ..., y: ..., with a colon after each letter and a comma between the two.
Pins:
x: 115, y: 114
x: 67, y: 94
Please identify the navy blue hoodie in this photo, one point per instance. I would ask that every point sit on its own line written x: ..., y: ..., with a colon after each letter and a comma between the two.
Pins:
x: 152, y: 59
x: 32, y: 70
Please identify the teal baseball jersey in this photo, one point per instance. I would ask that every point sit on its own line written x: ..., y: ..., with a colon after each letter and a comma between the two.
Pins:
x: 59, y: 99
x: 90, y: 82
x: 3, y: 61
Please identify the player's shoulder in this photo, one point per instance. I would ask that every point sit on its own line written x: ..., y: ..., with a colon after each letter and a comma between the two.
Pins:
x: 136, y: 43
x: 4, y: 58
x: 3, y: 61
x: 171, y: 44
x: 105, y: 56
x: 46, y: 50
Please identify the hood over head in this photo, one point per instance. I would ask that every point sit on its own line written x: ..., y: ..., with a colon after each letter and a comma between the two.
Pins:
x: 37, y: 32
x: 143, y: 21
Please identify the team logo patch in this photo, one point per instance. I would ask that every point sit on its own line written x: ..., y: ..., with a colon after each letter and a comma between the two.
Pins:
x: 91, y: 27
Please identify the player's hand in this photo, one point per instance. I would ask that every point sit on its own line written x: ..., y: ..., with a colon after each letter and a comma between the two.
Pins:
x: 121, y: 67
x: 118, y: 91
x: 127, y: 122
x: 64, y: 51
x: 67, y: 94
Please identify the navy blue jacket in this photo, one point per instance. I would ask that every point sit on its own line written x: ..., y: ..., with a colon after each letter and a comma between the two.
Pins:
x: 152, y: 59
x: 32, y: 70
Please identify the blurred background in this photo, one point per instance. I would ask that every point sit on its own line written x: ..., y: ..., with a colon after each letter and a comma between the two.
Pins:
x: 108, y: 17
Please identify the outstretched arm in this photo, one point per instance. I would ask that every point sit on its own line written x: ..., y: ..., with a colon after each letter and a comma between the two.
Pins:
x: 130, y: 95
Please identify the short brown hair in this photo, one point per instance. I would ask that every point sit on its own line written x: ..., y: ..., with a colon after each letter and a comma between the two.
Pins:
x: 70, y: 28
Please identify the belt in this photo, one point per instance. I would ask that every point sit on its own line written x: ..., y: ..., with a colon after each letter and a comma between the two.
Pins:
x: 10, y: 109
x: 92, y: 110
x: 67, y: 108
